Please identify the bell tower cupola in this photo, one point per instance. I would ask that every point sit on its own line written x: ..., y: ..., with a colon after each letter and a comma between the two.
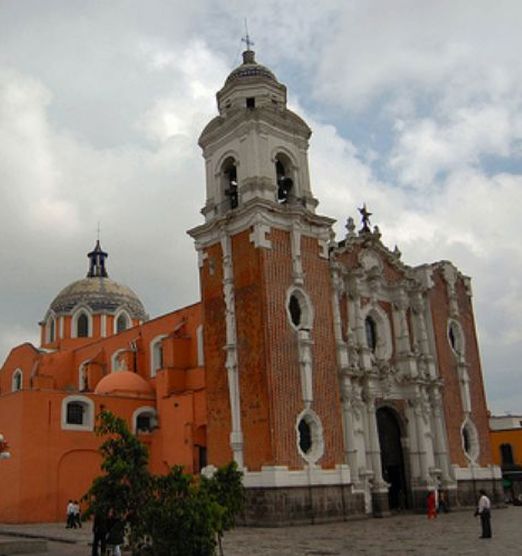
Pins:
x: 256, y: 148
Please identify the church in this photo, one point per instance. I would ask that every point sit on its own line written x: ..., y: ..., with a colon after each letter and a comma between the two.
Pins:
x: 341, y: 380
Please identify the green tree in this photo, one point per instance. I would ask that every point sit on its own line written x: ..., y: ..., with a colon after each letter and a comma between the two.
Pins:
x: 166, y: 515
x: 125, y: 485
x: 180, y: 517
x: 225, y: 489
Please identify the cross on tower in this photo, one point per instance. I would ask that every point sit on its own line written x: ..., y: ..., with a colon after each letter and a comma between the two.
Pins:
x: 246, y: 38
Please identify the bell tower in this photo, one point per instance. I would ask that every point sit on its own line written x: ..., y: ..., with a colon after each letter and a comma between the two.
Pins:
x: 256, y: 148
x: 270, y: 349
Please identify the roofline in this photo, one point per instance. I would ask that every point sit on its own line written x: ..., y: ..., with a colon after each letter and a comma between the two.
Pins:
x: 146, y: 323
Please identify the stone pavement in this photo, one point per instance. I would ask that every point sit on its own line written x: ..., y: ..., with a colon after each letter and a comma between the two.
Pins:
x: 452, y: 534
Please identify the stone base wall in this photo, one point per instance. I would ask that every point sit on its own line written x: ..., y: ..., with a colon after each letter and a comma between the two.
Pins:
x: 380, y: 504
x: 464, y: 496
x: 467, y: 493
x: 418, y: 500
x: 275, y: 507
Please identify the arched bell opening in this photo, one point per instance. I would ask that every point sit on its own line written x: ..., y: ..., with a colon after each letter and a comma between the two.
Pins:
x: 284, y: 179
x: 392, y: 458
x: 229, y: 179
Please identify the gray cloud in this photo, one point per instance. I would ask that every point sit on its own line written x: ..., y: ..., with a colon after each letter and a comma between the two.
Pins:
x: 415, y: 109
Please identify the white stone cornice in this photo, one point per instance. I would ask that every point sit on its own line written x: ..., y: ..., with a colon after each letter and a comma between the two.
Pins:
x: 283, y: 124
x: 260, y: 211
x: 280, y: 476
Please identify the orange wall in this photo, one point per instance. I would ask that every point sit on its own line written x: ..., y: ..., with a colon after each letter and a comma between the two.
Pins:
x: 49, y: 465
x: 67, y: 461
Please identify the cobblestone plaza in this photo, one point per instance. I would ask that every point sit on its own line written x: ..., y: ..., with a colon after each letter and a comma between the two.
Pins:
x: 452, y: 534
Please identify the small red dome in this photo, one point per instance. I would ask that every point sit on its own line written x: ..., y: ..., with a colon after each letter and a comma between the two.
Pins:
x: 124, y: 383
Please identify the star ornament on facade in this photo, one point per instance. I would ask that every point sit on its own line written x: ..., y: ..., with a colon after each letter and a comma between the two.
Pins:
x: 365, y: 218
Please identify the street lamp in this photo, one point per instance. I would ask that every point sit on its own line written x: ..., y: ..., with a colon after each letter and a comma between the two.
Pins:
x: 4, y: 448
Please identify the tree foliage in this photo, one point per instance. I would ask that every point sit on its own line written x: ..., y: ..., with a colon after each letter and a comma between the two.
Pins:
x: 166, y: 515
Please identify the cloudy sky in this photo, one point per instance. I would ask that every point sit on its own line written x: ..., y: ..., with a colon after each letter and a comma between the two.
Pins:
x: 415, y: 107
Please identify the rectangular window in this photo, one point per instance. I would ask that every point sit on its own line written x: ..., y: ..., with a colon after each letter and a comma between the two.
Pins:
x: 251, y: 102
x: 75, y: 414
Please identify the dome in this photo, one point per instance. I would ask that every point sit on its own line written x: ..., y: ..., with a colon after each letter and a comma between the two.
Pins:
x: 124, y: 383
x: 250, y: 68
x: 98, y: 291
x: 100, y: 294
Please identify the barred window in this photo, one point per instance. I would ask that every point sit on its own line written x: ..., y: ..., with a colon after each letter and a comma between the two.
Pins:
x: 75, y: 412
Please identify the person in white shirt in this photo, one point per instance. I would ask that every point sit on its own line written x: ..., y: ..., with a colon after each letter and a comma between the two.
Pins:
x: 70, y: 515
x: 484, y: 511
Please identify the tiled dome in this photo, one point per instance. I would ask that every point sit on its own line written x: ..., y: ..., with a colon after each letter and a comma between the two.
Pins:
x: 98, y: 291
x: 100, y: 295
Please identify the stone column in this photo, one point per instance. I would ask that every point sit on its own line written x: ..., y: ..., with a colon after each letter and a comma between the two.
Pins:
x: 337, y: 289
x: 350, y: 445
x: 360, y: 334
x: 422, y: 339
x: 420, y: 322
x: 236, y: 435
x: 441, y: 452
x: 418, y: 411
x: 379, y: 487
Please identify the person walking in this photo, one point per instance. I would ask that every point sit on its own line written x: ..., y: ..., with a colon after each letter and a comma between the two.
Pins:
x: 70, y: 515
x: 99, y: 531
x: 77, y: 514
x: 443, y: 504
x: 431, y: 505
x: 484, y: 512
x: 115, y: 533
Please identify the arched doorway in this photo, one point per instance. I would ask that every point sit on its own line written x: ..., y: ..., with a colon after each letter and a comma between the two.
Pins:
x: 392, y: 459
x: 76, y: 471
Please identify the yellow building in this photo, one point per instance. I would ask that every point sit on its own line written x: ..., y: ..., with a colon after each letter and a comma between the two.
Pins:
x: 506, y: 444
